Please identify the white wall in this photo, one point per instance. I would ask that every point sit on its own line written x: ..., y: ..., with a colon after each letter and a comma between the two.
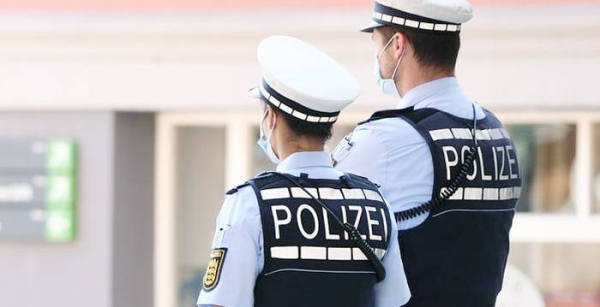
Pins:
x: 78, y: 273
x: 110, y: 263
x: 512, y: 58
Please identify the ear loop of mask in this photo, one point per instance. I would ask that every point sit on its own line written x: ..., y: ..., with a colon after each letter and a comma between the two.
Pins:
x: 265, y: 142
x: 399, y: 60
x: 263, y: 119
x: 385, y: 47
x: 273, y: 127
x: 265, y: 113
x: 397, y: 64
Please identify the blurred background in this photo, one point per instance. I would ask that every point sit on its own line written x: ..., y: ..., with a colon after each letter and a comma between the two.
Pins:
x: 123, y: 122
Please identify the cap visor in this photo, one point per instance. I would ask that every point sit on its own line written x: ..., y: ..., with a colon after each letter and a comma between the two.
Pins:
x: 254, y: 92
x: 371, y: 26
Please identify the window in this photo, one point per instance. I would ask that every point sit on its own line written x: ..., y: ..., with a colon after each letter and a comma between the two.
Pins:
x: 546, y: 154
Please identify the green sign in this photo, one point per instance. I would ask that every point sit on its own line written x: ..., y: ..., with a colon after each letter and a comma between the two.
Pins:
x: 61, y: 167
x: 38, y: 189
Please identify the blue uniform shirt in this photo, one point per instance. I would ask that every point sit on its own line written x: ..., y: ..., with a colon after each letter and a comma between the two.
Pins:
x: 391, y: 153
x: 239, y: 230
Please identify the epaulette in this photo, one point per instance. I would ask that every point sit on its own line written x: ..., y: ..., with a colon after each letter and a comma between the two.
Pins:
x: 234, y: 190
x: 387, y: 114
x: 360, y: 179
x: 264, y: 179
x: 260, y: 177
x: 410, y: 113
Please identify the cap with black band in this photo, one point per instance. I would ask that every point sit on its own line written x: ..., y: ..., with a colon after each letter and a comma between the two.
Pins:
x: 437, y: 16
x: 303, y: 81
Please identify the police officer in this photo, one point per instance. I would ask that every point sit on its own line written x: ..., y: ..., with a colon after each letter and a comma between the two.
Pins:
x: 307, y: 234
x: 447, y: 166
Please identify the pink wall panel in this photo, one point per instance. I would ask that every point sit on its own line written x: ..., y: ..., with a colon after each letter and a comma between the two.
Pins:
x: 157, y: 5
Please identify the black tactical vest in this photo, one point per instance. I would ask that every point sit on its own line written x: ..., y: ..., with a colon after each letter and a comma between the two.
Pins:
x: 458, y: 255
x: 308, y: 258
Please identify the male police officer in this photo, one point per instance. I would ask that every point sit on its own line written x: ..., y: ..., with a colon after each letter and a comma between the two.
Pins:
x: 453, y: 191
x: 279, y: 238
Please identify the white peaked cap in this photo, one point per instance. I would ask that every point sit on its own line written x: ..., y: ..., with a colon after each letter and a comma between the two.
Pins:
x: 302, y: 80
x: 427, y: 15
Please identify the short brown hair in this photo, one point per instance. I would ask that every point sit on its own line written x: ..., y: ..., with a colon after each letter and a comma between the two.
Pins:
x: 432, y: 49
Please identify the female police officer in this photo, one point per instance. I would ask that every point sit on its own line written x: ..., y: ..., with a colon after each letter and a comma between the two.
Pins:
x: 306, y: 235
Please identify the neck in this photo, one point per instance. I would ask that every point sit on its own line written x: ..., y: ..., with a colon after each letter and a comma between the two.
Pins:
x: 418, y: 75
x: 298, y: 145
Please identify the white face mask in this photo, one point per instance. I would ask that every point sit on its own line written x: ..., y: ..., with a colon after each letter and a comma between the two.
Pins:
x: 265, y: 142
x: 387, y: 86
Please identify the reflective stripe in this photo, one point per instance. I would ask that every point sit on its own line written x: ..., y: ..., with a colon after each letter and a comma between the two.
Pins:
x: 379, y: 252
x: 339, y: 253
x: 462, y: 133
x: 506, y: 193
x: 483, y: 135
x: 426, y: 26
x: 353, y: 193
x: 412, y: 23
x: 329, y: 193
x: 322, y: 253
x: 473, y: 193
x: 398, y: 20
x: 517, y: 192
x: 299, y: 115
x: 490, y: 194
x: 313, y: 119
x: 264, y: 92
x: 299, y: 193
x: 453, y: 28
x: 496, y: 134
x: 458, y: 195
x: 318, y: 271
x: 275, y: 193
x: 440, y: 27
x: 476, y: 193
x: 416, y: 24
x: 286, y: 109
x: 467, y: 134
x: 284, y: 252
x: 441, y: 134
x: 275, y: 101
x: 313, y: 252
x: 372, y: 195
x: 357, y: 254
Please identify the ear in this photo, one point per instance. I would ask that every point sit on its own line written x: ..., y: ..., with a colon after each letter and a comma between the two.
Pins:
x: 272, y: 116
x: 399, y: 44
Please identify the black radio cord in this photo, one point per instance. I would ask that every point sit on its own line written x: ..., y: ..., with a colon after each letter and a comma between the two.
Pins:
x: 452, y: 188
x: 354, y: 234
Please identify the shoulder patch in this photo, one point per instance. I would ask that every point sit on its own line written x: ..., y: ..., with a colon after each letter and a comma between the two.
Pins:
x: 215, y: 266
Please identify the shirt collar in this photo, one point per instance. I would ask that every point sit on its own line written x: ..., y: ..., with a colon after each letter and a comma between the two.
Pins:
x: 304, y: 159
x: 427, y: 90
